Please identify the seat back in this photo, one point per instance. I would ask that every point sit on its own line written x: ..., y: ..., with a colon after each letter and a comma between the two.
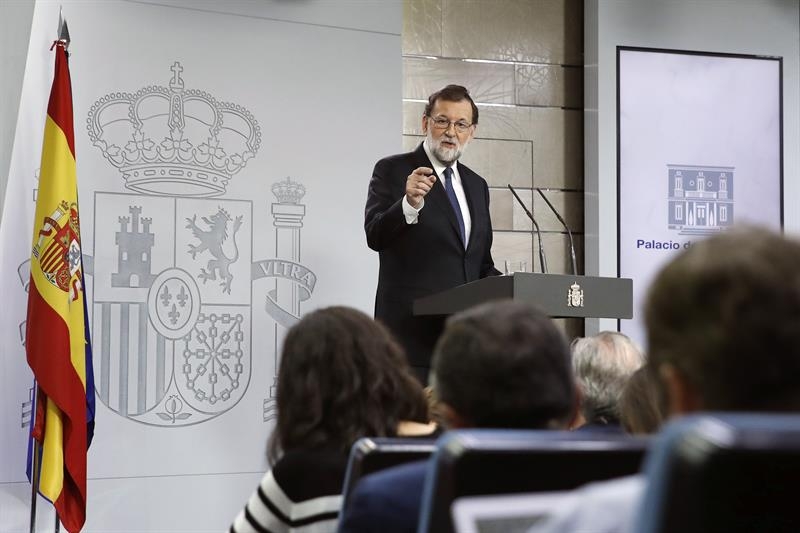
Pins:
x: 370, y: 455
x: 724, y: 472
x: 484, y: 462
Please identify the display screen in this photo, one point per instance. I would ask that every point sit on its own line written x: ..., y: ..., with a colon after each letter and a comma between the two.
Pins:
x: 699, y: 150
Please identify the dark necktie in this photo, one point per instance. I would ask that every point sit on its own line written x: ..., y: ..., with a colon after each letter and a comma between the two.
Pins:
x: 451, y: 195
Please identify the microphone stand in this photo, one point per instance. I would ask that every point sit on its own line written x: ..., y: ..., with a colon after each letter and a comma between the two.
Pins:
x: 569, y: 233
x: 542, y: 258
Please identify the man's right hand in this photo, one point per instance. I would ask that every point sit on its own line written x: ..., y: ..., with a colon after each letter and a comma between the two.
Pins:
x: 419, y: 184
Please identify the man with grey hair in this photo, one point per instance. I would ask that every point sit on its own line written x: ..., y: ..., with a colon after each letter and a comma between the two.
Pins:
x: 602, y: 364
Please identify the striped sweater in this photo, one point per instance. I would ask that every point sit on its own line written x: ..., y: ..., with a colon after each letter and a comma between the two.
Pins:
x: 301, y: 494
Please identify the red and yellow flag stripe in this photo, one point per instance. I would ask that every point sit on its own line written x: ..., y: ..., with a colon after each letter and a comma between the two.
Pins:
x: 55, y: 339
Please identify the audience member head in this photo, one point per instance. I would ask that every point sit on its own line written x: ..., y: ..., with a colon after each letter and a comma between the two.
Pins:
x: 503, y: 364
x: 723, y: 322
x: 641, y: 411
x: 602, y: 365
x: 342, y: 377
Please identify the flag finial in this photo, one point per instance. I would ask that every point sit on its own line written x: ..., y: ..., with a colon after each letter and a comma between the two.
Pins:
x: 63, y: 30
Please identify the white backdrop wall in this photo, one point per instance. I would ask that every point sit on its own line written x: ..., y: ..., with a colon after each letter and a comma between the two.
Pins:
x: 15, y: 29
x: 259, y: 119
x: 757, y: 27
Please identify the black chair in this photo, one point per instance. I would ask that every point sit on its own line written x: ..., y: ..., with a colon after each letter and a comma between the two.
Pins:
x: 370, y: 455
x: 484, y: 462
x: 724, y: 472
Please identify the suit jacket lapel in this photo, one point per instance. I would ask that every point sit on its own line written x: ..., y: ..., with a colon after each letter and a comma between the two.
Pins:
x: 438, y: 196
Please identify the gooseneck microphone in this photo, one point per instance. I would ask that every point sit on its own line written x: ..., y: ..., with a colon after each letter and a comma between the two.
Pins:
x: 542, y: 258
x: 569, y: 233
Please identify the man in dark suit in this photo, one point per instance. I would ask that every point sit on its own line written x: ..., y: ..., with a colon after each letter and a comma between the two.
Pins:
x: 503, y: 364
x: 428, y: 217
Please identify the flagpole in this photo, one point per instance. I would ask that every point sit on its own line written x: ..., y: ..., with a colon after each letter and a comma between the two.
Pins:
x: 34, y: 483
x: 63, y: 38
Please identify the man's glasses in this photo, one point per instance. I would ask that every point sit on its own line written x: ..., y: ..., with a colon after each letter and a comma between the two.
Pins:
x: 441, y: 123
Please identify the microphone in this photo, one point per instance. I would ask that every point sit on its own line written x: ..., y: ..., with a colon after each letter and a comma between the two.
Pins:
x: 542, y: 258
x: 569, y: 233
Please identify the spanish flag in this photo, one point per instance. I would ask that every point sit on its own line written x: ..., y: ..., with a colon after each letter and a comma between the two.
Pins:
x: 57, y: 337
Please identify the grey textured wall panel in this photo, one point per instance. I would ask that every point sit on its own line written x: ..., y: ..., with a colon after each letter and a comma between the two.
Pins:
x: 549, y: 86
x: 487, y: 82
x: 512, y: 30
x: 422, y: 27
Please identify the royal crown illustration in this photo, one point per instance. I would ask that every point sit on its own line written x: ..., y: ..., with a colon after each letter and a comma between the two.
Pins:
x: 172, y: 141
x: 288, y: 191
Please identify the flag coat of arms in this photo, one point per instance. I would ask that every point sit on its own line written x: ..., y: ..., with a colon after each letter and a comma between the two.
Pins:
x: 57, y: 337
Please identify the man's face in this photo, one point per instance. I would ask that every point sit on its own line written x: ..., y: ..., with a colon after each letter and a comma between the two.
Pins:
x: 447, y: 143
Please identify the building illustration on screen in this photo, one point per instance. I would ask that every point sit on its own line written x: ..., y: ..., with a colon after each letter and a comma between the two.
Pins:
x: 700, y: 199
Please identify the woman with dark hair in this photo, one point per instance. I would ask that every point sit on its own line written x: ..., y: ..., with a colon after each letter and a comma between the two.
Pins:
x: 342, y: 377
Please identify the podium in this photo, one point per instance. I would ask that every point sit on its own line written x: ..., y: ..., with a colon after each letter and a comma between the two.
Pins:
x: 558, y: 295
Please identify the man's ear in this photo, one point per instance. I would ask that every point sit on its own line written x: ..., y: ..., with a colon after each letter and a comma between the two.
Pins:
x: 424, y: 124
x: 682, y: 395
x: 451, y: 418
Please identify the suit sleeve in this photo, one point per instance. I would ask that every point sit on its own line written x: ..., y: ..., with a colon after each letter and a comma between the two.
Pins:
x: 359, y: 515
x: 487, y: 263
x: 383, y: 216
